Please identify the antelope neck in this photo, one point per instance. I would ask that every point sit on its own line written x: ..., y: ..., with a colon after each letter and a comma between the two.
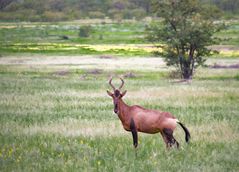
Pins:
x: 123, y: 110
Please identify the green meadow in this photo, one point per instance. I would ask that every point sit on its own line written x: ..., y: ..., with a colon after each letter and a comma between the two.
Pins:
x: 123, y: 39
x: 55, y: 114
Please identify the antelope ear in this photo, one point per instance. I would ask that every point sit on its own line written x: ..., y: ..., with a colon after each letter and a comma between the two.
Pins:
x: 109, y: 93
x: 123, y: 94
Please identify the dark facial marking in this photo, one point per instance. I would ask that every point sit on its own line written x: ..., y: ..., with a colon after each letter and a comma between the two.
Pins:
x: 117, y: 93
x: 116, y: 108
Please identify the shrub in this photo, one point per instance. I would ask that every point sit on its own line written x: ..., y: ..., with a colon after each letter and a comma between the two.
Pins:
x: 53, y: 16
x: 138, y: 13
x: 85, y: 31
x: 96, y: 14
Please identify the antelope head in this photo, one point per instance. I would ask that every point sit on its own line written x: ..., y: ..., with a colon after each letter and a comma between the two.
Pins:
x: 117, y: 95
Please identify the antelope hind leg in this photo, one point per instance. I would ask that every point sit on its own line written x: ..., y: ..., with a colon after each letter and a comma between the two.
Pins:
x: 168, y: 136
x: 165, y: 139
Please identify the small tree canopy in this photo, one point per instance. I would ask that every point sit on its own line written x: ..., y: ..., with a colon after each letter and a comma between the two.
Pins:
x: 186, y: 31
x: 4, y: 3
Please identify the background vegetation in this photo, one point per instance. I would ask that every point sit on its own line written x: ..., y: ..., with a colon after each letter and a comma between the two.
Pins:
x: 58, y: 10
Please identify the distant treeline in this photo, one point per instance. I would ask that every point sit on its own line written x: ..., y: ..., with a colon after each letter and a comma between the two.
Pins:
x: 58, y: 10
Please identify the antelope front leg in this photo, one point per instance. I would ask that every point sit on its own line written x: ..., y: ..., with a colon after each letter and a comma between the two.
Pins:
x: 134, y: 132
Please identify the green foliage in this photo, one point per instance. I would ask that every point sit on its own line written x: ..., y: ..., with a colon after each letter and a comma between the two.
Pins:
x: 96, y: 14
x: 5, y: 3
x: 49, y: 10
x: 138, y: 13
x: 53, y: 16
x: 83, y: 9
x: 186, y: 32
x: 231, y: 6
x: 85, y: 31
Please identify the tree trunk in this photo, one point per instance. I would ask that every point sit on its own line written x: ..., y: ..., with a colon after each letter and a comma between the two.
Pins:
x: 187, y: 73
x: 187, y: 66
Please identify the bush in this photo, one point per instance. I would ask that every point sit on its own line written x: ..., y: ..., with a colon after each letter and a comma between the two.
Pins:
x: 116, y: 15
x: 85, y: 31
x: 138, y: 13
x: 53, y: 16
x: 21, y: 15
x: 96, y: 14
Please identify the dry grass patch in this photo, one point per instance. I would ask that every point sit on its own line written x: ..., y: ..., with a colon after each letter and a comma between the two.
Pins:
x: 211, y: 132
x: 182, y: 92
x: 74, y: 128
x: 214, y: 132
x: 87, y: 62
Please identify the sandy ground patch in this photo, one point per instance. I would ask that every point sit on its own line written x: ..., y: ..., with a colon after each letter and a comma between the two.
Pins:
x: 88, y: 62
x: 224, y: 47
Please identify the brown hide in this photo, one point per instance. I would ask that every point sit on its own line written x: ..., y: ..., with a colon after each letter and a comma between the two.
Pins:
x: 146, y: 121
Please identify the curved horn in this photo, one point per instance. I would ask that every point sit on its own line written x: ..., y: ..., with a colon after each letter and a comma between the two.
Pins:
x: 111, y: 83
x: 121, y: 84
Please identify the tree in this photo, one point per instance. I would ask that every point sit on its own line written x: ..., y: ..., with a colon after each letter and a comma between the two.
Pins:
x: 5, y: 3
x: 186, y: 32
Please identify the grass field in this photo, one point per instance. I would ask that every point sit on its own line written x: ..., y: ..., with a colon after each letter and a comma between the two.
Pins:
x: 56, y: 116
x: 124, y: 39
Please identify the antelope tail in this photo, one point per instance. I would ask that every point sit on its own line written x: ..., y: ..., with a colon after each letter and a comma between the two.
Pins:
x: 187, y: 134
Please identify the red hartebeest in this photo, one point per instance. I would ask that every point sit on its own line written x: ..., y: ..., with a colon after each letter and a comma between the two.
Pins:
x: 138, y: 119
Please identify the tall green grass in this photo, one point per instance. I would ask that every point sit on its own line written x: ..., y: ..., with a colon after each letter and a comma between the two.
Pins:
x: 52, y: 121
